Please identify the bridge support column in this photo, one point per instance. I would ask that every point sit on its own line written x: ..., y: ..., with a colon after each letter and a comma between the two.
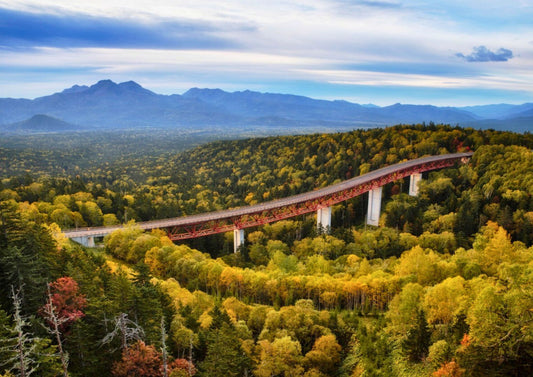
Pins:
x: 413, y: 183
x: 85, y: 241
x: 238, y: 239
x: 323, y: 219
x: 374, y: 206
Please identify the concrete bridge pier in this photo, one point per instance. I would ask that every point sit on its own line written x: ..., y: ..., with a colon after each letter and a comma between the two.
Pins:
x: 323, y: 219
x: 85, y: 241
x: 374, y: 206
x: 413, y: 183
x: 238, y: 239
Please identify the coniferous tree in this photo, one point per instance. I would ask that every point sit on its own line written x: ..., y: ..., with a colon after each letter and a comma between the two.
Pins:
x: 224, y: 355
x: 417, y: 342
x: 21, y: 351
x: 26, y: 259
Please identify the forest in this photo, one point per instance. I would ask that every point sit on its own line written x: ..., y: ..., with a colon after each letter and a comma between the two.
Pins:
x: 443, y: 287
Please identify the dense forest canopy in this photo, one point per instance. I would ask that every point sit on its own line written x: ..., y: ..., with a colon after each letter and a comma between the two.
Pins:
x: 443, y: 287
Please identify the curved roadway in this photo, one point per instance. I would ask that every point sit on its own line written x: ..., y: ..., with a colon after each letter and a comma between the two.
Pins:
x: 279, y: 203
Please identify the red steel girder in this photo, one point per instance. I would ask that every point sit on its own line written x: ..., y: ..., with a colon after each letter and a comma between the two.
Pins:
x: 288, y: 211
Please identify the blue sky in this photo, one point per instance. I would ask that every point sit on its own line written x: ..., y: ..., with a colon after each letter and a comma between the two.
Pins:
x: 453, y: 52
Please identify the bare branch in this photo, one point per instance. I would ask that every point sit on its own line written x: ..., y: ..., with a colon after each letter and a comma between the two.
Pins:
x: 128, y: 330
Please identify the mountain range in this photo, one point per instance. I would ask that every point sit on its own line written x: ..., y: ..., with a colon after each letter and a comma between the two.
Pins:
x: 108, y: 105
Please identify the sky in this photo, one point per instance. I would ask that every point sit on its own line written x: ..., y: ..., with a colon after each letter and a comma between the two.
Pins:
x: 444, y: 53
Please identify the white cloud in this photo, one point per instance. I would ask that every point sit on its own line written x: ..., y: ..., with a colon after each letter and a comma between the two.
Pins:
x: 518, y: 82
x: 134, y: 59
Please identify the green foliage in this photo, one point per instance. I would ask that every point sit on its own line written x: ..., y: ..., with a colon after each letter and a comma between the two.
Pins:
x: 26, y: 258
x: 440, y: 353
x: 224, y: 354
x: 416, y: 343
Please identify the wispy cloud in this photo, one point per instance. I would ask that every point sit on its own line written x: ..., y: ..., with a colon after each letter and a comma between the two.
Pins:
x: 483, y: 54
x: 383, y: 4
x: 24, y: 29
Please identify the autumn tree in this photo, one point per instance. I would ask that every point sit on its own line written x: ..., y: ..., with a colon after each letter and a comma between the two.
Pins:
x: 138, y: 360
x: 279, y: 357
x: 449, y: 369
x: 325, y: 355
x: 67, y: 301
x: 56, y: 321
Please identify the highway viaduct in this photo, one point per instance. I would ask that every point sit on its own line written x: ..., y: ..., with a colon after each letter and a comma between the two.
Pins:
x: 319, y: 201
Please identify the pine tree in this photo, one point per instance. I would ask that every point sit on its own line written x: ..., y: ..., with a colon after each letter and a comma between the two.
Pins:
x: 418, y: 339
x: 224, y: 355
x: 146, y: 305
x: 21, y: 352
x: 26, y: 258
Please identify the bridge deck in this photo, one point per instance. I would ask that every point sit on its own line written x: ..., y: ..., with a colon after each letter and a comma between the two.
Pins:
x: 392, y: 172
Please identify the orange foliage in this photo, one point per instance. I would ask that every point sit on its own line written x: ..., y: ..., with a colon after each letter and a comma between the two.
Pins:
x: 450, y: 369
x: 139, y: 360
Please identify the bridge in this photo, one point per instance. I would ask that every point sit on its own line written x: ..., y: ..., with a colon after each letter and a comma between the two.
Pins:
x: 319, y: 201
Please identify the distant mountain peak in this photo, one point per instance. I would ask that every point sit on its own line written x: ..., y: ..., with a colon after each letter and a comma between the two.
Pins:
x: 132, y: 85
x: 105, y: 82
x: 103, y: 85
x: 41, y: 117
x: 119, y: 89
x: 75, y: 89
x: 195, y: 91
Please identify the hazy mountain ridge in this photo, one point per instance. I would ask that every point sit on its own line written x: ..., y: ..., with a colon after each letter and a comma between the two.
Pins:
x: 128, y: 105
x: 500, y: 111
x: 41, y: 123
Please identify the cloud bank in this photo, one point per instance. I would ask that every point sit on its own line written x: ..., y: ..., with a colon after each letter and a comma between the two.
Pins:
x: 483, y: 54
x: 24, y: 29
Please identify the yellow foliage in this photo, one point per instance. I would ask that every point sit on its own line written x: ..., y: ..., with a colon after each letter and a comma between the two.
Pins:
x: 280, y: 357
x: 180, y: 296
x: 153, y: 258
x: 205, y: 320
x: 130, y: 199
x: 326, y: 354
x: 58, y: 236
x: 493, y: 247
x: 237, y: 310
x: 117, y: 267
x: 446, y: 300
x: 424, y: 267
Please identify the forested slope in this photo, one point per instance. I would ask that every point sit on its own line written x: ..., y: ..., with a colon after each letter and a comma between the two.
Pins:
x: 444, y: 287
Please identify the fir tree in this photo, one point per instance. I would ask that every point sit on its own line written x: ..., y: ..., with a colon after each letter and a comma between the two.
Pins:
x: 417, y: 342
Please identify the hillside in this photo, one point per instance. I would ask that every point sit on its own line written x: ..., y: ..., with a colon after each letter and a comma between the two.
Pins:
x: 40, y: 123
x: 442, y: 287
